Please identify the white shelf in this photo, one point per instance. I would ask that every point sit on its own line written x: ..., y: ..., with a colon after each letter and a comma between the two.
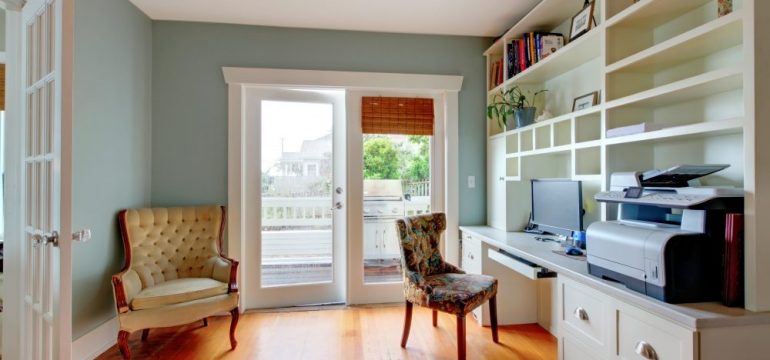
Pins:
x: 556, y: 119
x: 572, y: 55
x: 713, y: 82
x: 651, y: 13
x: 545, y: 151
x: 547, y: 15
x: 710, y: 128
x: 720, y: 34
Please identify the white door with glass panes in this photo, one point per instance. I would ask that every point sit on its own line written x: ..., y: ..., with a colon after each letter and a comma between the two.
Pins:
x: 44, y: 173
x: 296, y: 146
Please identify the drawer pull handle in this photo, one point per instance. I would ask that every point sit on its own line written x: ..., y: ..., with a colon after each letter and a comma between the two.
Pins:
x: 581, y: 314
x: 646, y: 350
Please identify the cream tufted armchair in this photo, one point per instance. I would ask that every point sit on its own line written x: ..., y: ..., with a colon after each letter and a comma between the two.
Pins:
x: 174, y: 270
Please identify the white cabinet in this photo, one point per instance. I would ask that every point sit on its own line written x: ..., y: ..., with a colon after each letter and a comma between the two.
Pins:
x: 496, y: 201
x: 380, y: 240
x: 597, y: 326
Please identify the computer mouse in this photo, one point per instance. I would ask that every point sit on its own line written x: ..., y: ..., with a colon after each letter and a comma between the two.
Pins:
x: 571, y: 250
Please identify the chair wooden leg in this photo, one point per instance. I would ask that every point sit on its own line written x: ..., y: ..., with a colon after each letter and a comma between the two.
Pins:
x: 145, y: 334
x: 234, y: 313
x: 407, y: 324
x: 461, y: 337
x: 435, y: 318
x: 493, y: 317
x: 125, y: 350
x: 205, y: 322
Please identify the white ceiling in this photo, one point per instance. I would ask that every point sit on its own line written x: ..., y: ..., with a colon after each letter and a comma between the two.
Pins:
x: 449, y: 17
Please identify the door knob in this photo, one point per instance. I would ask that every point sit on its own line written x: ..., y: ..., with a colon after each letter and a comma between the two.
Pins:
x: 338, y: 190
x: 337, y: 206
x: 39, y: 240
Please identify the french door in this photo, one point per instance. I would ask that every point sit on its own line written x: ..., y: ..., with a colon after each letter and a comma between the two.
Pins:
x: 297, y: 143
x: 45, y: 176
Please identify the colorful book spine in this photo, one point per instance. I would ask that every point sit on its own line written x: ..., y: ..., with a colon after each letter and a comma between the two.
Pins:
x: 509, y: 62
x: 732, y: 284
x: 522, y: 55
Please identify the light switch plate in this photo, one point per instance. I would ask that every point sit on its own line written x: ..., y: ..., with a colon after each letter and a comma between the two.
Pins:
x: 471, y: 182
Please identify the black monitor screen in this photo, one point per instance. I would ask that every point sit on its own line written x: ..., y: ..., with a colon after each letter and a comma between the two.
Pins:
x: 557, y: 206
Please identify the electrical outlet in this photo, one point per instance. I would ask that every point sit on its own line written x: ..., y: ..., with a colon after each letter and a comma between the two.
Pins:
x: 471, y: 182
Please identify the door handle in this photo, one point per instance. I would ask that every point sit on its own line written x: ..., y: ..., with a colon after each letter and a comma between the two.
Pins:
x: 377, y: 239
x: 337, y: 206
x: 39, y: 240
x: 581, y: 314
x: 338, y: 190
x: 645, y: 350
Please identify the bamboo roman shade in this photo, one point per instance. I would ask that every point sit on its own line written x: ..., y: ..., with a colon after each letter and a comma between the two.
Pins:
x: 397, y: 115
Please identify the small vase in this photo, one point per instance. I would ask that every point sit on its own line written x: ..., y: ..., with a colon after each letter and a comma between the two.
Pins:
x: 524, y: 116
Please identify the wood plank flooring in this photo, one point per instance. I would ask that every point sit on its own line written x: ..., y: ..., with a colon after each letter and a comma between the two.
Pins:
x: 358, y: 332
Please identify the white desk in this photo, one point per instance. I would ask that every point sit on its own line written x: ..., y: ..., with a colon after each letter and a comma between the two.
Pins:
x: 709, y: 323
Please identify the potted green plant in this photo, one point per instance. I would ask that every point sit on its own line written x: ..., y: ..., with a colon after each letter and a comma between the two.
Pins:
x: 516, y: 103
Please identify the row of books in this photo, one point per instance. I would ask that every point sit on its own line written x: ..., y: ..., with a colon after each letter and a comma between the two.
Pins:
x: 531, y: 48
x: 523, y: 53
x: 496, y: 74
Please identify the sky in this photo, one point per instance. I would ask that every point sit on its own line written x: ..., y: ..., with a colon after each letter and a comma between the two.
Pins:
x: 291, y: 123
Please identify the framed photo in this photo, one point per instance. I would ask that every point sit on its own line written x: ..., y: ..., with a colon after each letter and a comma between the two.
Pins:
x: 582, y: 22
x: 585, y: 101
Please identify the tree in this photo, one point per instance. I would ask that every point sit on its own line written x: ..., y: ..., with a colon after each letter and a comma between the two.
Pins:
x: 381, y: 159
x: 417, y: 165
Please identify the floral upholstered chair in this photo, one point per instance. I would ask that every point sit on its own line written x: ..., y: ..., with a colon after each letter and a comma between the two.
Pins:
x: 431, y: 282
x: 174, y: 272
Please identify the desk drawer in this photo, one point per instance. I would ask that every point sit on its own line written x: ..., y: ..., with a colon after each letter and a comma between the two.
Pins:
x: 585, y: 313
x: 642, y: 335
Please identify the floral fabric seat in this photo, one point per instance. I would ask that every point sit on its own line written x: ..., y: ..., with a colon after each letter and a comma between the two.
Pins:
x: 431, y: 282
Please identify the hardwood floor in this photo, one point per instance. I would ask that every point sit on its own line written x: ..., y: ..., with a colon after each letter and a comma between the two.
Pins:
x: 359, y: 332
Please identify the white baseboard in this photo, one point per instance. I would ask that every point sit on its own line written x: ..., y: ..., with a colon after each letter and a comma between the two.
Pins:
x: 93, y: 344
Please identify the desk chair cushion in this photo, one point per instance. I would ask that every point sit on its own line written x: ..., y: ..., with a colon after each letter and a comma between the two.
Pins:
x: 458, y: 294
x: 177, y: 291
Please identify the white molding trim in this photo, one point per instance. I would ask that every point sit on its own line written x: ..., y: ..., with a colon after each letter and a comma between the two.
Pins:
x: 97, y: 341
x: 239, y: 80
x: 341, y: 79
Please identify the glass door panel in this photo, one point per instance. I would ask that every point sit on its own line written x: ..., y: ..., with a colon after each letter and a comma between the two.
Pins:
x: 297, y: 200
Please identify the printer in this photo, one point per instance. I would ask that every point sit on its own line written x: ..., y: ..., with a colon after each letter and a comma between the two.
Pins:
x: 668, y: 239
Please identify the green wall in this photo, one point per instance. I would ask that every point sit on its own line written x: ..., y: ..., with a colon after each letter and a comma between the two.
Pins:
x: 189, y: 127
x: 111, y: 144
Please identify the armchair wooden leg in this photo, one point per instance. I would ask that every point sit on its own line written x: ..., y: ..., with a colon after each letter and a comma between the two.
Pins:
x: 205, y: 322
x: 493, y: 317
x: 461, y: 337
x: 145, y: 334
x: 235, y: 313
x: 407, y: 324
x: 435, y: 318
x: 125, y: 350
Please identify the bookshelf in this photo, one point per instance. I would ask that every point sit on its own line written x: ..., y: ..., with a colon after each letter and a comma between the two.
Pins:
x: 675, y: 64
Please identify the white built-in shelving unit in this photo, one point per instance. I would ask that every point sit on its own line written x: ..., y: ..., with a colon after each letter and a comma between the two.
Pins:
x: 674, y: 63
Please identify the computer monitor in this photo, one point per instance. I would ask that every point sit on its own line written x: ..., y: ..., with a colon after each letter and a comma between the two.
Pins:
x: 557, y: 206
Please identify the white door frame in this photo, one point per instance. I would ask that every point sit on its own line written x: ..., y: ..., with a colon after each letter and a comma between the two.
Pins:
x: 14, y: 230
x: 256, y: 296
x: 239, y: 79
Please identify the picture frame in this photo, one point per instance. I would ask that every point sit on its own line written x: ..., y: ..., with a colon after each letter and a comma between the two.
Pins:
x: 582, y: 22
x: 586, y: 101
